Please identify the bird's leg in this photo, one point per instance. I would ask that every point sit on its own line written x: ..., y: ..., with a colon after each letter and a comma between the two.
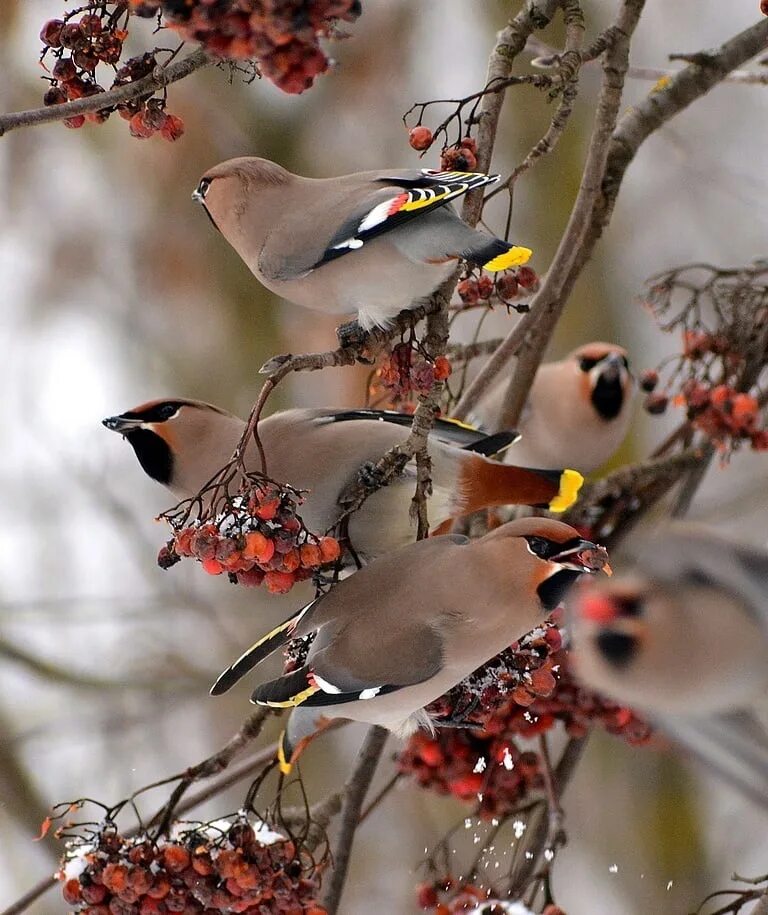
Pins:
x: 459, y: 717
x: 350, y: 335
x: 370, y: 477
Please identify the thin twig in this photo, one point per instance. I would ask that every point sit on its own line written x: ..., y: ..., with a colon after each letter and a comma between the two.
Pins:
x: 354, y: 795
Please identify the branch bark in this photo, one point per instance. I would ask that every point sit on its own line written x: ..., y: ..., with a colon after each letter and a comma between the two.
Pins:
x: 157, y: 79
x: 354, y: 796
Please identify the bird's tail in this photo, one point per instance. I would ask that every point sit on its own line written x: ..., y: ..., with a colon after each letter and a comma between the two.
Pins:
x: 493, y: 254
x: 483, y: 484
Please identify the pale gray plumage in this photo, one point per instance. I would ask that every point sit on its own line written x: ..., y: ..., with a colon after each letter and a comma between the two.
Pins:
x: 407, y: 628
x: 322, y: 451
x: 578, y: 410
x: 350, y: 244
x: 683, y: 637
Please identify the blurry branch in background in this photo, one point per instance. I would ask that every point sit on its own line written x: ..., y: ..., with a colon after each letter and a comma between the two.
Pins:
x: 159, y: 78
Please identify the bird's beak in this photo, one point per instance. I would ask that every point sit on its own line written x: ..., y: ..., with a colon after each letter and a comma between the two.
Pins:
x: 198, y: 196
x: 612, y: 367
x: 584, y: 556
x: 121, y: 424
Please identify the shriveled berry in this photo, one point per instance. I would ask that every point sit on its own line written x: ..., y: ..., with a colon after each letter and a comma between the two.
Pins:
x: 139, y: 128
x: 90, y: 25
x: 50, y: 34
x: 468, y: 292
x: 54, y: 96
x: 420, y: 137
x: 74, y: 122
x: 173, y: 128
x: 528, y: 278
x: 85, y: 58
x: 648, y: 380
x: 507, y: 287
x: 71, y: 35
x: 250, y: 578
x: 485, y: 286
x: 64, y: 70
x: 458, y: 158
x: 71, y: 891
x: 656, y: 404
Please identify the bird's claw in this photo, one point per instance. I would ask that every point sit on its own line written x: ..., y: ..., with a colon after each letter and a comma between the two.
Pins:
x: 350, y: 335
x: 370, y: 477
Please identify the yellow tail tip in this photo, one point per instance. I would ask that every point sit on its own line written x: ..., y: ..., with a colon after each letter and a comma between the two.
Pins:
x: 284, y: 764
x: 515, y: 257
x: 570, y: 483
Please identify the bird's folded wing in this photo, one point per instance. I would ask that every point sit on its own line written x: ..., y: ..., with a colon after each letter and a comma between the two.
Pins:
x: 356, y: 666
x: 445, y: 429
x: 733, y: 745
x: 326, y: 228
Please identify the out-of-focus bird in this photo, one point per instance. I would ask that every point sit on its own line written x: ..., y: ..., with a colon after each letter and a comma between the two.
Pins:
x: 408, y: 627
x: 683, y: 637
x: 577, y: 413
x: 184, y: 443
x: 373, y: 243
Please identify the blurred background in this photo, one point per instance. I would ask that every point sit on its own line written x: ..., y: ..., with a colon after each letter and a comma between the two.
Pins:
x: 116, y: 290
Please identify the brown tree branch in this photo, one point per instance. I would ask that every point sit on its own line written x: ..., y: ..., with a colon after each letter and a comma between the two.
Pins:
x: 535, y: 14
x: 354, y: 795
x: 160, y: 77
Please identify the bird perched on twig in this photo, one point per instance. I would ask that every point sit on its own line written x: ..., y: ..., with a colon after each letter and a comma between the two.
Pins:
x: 371, y: 243
x: 683, y: 637
x: 184, y: 443
x: 577, y: 413
x: 410, y: 626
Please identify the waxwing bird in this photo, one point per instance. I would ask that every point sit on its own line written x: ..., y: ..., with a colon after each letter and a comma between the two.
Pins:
x: 371, y: 243
x: 577, y: 413
x: 405, y: 629
x: 183, y: 444
x: 683, y: 637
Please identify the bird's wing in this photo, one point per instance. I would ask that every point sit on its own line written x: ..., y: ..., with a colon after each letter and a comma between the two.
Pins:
x: 366, y: 211
x: 345, y: 671
x: 733, y: 745
x: 445, y: 429
x: 260, y: 650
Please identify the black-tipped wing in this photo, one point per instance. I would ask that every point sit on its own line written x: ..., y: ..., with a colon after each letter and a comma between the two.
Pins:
x: 389, y: 208
x: 445, y: 429
x: 260, y: 650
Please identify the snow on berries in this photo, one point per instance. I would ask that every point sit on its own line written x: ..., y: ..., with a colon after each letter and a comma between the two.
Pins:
x: 227, y: 866
x: 283, y: 36
x: 256, y: 537
x: 447, y: 896
x: 521, y: 693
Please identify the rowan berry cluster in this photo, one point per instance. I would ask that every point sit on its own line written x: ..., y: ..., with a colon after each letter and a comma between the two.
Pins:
x: 447, y: 896
x: 257, y: 537
x: 462, y: 157
x: 80, y: 46
x: 224, y: 867
x: 520, y: 693
x: 282, y: 35
x: 507, y: 287
x: 408, y: 370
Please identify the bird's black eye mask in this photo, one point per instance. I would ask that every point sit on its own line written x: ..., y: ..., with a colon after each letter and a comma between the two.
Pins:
x: 546, y: 549
x: 158, y: 413
x: 618, y: 648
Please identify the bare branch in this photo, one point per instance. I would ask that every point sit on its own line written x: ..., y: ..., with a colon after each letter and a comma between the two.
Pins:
x: 354, y: 795
x: 157, y: 79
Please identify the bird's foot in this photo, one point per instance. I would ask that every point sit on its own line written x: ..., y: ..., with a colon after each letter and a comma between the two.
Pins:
x: 351, y: 334
x: 370, y: 477
x: 459, y: 717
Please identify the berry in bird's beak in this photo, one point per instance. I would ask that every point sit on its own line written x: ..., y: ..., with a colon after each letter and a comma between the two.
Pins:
x: 584, y: 556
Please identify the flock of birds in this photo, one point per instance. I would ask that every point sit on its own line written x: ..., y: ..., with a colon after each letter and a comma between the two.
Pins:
x: 680, y: 634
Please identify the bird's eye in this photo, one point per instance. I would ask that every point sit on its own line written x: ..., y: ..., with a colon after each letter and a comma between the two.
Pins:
x: 539, y: 546
x: 167, y: 411
x: 202, y: 188
x: 586, y: 364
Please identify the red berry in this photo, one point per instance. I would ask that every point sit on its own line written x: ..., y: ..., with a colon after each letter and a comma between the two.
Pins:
x: 139, y: 128
x: 427, y: 896
x: 279, y: 582
x: 656, y: 404
x: 528, y: 278
x: 175, y: 858
x: 64, y: 70
x: 507, y: 287
x: 310, y: 555
x: 468, y: 292
x: 90, y: 24
x: 173, y: 128
x: 250, y: 578
x: 329, y: 549
x: 50, y: 34
x: 54, y: 96
x: 213, y: 566
x: 648, y: 380
x: 267, y: 510
x: 258, y: 547
x: 74, y: 122
x: 71, y: 35
x: 442, y: 368
x: 71, y: 891
x: 420, y: 137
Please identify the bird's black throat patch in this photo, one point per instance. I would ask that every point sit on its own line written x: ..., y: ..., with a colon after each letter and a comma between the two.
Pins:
x: 608, y: 398
x: 153, y: 453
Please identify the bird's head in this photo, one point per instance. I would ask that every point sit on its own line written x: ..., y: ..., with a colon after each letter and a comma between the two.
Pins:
x: 169, y: 435
x: 603, y: 372
x: 228, y: 189
x: 557, y: 554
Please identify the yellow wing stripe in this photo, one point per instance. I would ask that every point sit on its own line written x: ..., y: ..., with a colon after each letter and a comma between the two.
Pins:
x: 424, y: 202
x: 515, y: 257
x: 293, y: 701
x: 570, y: 483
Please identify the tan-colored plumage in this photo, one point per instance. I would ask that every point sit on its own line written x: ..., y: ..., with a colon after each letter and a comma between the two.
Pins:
x: 323, y: 244
x: 418, y: 621
x: 311, y: 450
x: 682, y: 636
x: 561, y: 424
